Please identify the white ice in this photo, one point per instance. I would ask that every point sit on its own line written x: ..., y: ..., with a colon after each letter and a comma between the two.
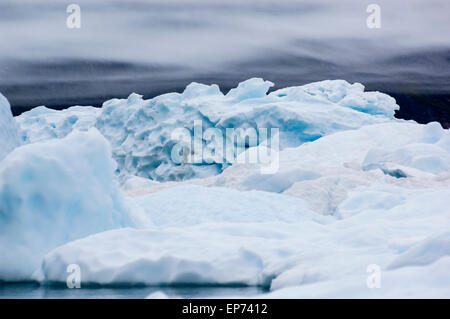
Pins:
x: 355, y: 187
x: 9, y: 136
x: 140, y: 131
x: 54, y: 192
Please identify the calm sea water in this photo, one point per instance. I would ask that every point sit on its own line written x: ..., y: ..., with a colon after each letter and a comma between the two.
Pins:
x: 35, y: 291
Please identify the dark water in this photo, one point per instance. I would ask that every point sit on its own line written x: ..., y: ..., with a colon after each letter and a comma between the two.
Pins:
x: 35, y: 291
x: 157, y: 46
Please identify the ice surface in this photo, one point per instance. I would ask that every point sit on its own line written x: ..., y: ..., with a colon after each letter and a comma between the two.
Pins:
x: 355, y: 187
x: 269, y: 251
x: 398, y: 223
x: 378, y: 218
x: 193, y: 204
x: 9, y: 137
x: 41, y: 123
x: 425, y: 252
x: 429, y: 281
x: 157, y: 295
x: 51, y: 193
x: 324, y: 171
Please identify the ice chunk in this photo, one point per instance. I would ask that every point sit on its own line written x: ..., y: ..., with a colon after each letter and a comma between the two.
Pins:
x: 157, y: 295
x: 430, y: 281
x: 222, y: 236
x: 140, y: 131
x: 198, y: 90
x: 54, y: 192
x: 385, y: 183
x: 268, y: 250
x: 344, y: 94
x: 9, y: 138
x: 129, y: 256
x: 41, y: 123
x: 429, y: 158
x: 250, y: 89
x: 425, y: 252
x: 322, y: 172
x: 220, y: 205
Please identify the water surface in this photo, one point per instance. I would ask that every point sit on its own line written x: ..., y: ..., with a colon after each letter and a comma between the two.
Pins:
x: 158, y: 46
x: 35, y: 291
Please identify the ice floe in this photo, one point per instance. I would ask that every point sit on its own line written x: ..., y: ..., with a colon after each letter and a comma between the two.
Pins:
x: 54, y: 192
x: 355, y: 190
x: 9, y: 135
x: 141, y: 131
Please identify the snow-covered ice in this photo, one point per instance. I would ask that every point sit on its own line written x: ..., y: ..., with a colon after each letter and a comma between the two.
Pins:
x: 140, y: 131
x: 9, y: 135
x: 271, y: 252
x: 355, y: 187
x: 41, y: 123
x: 194, y: 204
x: 54, y: 192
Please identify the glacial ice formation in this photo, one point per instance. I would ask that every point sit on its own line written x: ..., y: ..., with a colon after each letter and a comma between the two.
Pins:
x: 218, y: 205
x: 355, y: 187
x: 200, y: 236
x: 9, y: 137
x: 428, y: 281
x: 140, y: 131
x: 54, y: 192
x: 273, y: 252
x: 41, y: 123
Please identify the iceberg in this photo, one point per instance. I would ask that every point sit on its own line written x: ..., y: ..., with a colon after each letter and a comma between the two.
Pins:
x: 430, y: 281
x: 42, y: 124
x: 9, y: 135
x: 323, y: 172
x: 54, y: 192
x: 376, y: 218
